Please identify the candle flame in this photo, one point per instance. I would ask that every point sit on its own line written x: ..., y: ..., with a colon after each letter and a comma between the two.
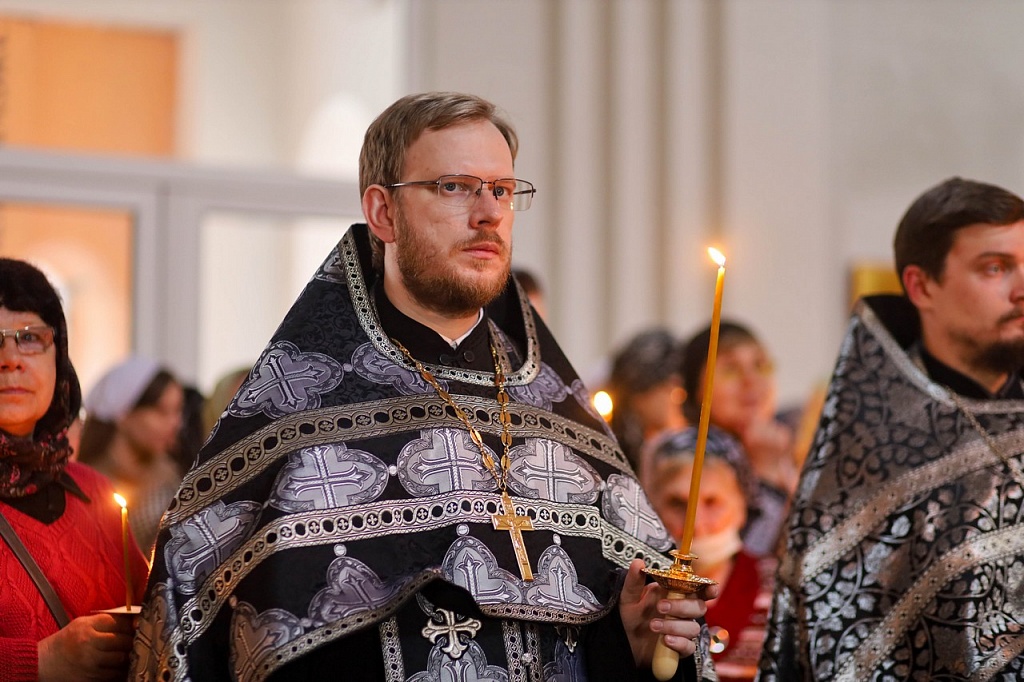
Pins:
x: 603, y: 403
x: 716, y: 256
x: 121, y: 501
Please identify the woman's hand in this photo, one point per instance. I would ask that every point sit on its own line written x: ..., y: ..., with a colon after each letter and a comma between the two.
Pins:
x: 88, y: 648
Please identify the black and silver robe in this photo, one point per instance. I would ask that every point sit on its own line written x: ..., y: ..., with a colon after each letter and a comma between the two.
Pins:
x: 905, y: 558
x: 337, y: 524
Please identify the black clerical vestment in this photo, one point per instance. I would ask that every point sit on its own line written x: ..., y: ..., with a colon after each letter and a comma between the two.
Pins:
x: 906, y: 541
x: 339, y: 520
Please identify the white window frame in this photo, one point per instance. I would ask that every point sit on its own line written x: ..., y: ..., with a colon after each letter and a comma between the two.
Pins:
x: 168, y: 202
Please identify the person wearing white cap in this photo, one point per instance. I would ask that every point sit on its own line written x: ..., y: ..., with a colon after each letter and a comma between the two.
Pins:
x: 133, y: 415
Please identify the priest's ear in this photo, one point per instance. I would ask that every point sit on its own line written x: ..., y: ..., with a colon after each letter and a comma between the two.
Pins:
x: 919, y: 286
x: 379, y: 209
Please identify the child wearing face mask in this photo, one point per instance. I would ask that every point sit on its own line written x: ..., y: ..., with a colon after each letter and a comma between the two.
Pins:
x: 737, y: 618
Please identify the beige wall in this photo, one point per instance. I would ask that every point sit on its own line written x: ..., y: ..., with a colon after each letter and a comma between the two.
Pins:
x: 87, y: 254
x: 793, y: 132
x: 84, y: 87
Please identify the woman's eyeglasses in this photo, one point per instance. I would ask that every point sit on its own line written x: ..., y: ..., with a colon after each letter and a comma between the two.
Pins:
x: 30, y: 340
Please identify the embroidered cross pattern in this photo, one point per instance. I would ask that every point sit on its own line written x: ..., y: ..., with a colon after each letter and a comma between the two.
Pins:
x: 328, y: 484
x: 287, y: 380
x: 633, y: 508
x: 445, y: 624
x: 447, y: 463
x: 551, y: 473
x: 279, y: 378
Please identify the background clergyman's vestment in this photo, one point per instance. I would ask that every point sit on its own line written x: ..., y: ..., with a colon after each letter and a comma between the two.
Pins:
x: 906, y: 540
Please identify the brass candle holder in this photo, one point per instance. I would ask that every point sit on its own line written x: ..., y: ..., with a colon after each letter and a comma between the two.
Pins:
x: 680, y: 576
x: 680, y: 581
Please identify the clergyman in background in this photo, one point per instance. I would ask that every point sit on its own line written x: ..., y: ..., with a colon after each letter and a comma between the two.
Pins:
x: 906, y: 539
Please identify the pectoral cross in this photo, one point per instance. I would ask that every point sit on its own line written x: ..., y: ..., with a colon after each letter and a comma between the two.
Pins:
x: 515, y: 525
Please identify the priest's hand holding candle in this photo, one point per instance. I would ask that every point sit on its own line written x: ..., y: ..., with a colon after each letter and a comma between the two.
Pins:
x: 680, y: 579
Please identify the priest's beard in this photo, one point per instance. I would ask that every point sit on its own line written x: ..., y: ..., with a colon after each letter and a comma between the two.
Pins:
x: 434, y: 282
x: 1001, y: 356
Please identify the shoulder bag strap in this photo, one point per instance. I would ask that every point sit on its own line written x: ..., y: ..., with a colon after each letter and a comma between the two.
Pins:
x: 36, y: 573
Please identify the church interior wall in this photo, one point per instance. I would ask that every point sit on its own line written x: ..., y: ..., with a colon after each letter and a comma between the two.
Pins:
x: 792, y: 132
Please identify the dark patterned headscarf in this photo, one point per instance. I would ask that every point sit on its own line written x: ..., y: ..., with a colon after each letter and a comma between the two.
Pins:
x: 26, y: 464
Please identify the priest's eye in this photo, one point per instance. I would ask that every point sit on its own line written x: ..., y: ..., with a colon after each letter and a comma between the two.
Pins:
x: 994, y: 268
x: 504, y: 188
x: 456, y: 186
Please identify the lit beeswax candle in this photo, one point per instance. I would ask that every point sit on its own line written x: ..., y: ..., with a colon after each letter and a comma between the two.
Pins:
x: 666, y: 660
x: 124, y: 544
x: 705, y: 407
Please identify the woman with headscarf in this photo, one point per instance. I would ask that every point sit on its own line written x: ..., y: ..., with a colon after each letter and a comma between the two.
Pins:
x: 61, y: 552
x: 133, y: 418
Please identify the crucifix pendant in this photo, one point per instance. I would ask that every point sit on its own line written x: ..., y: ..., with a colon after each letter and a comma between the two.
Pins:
x: 515, y: 525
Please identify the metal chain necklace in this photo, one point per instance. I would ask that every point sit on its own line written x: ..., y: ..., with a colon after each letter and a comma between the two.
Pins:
x: 508, y: 520
x: 1012, y: 463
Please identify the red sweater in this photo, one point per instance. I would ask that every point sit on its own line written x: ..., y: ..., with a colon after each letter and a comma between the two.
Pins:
x: 81, y: 555
x: 742, y: 610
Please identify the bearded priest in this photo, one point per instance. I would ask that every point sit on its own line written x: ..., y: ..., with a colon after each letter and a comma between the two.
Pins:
x: 411, y: 484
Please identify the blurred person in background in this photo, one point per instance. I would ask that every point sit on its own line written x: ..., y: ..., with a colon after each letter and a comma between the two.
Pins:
x: 534, y: 291
x: 220, y: 397
x: 133, y: 418
x: 737, y: 618
x: 743, y: 404
x: 60, y: 528
x: 646, y: 391
x: 192, y: 432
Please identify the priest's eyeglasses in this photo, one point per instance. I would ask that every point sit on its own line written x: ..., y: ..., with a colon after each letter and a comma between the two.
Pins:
x: 30, y: 340
x: 463, y: 190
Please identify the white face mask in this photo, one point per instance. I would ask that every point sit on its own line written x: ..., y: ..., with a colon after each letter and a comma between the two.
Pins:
x: 712, y: 550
